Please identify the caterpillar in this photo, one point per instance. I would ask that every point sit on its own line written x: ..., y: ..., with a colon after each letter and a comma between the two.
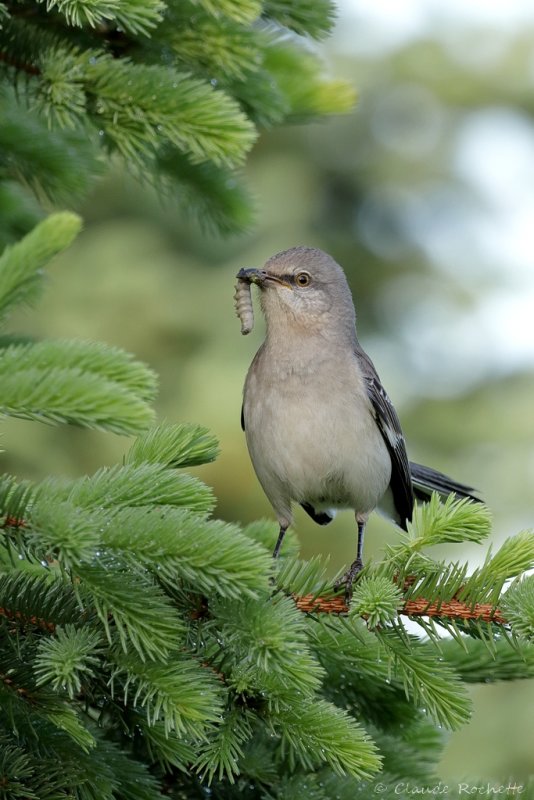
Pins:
x: 243, y: 305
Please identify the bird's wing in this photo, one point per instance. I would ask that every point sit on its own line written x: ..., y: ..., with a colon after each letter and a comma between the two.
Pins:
x: 250, y: 369
x: 389, y: 425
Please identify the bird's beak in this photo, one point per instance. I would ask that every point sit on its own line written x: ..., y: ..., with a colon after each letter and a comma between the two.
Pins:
x: 259, y: 277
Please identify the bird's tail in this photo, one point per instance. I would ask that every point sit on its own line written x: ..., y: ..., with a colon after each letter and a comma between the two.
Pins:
x: 427, y: 480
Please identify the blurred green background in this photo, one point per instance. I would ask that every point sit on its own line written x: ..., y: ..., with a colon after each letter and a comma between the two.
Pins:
x: 426, y: 196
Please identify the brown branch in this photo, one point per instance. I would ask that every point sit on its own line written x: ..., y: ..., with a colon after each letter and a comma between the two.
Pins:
x: 17, y: 616
x: 454, y: 609
x: 13, y: 522
x: 20, y: 690
x: 420, y: 607
x: 30, y: 69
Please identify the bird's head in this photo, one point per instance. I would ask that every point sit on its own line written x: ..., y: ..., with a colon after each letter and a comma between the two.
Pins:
x: 303, y: 288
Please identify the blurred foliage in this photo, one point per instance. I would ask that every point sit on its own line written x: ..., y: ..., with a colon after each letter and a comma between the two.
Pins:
x: 177, y: 91
x: 390, y: 193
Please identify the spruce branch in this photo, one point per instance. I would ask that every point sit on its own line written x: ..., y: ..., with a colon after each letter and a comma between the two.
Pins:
x: 182, y: 695
x: 181, y: 445
x: 78, y: 382
x: 215, y: 197
x: 265, y: 102
x: 38, y: 599
x: 131, y: 607
x: 166, y: 748
x: 58, y: 93
x: 18, y: 64
x: 303, y: 578
x: 514, y: 557
x: 138, y: 18
x: 315, y: 19
x: 177, y: 545
x: 93, y: 358
x: 221, y: 754
x: 518, y: 605
x: 359, y: 675
x: 297, y: 75
x: 257, y: 762
x: 242, y: 11
x: 451, y: 520
x: 217, y: 47
x: 415, y: 753
x: 16, y: 768
x: 66, y: 719
x: 20, y: 212
x: 81, y: 383
x: 62, y: 395
x: 68, y: 658
x: 139, y: 107
x: 262, y: 647
x: 63, y: 768
x: 55, y: 165
x: 430, y: 682
x: 378, y: 599
x: 441, y: 592
x: 387, y: 674
x: 21, y: 264
x: 112, y: 771
x: 451, y: 609
x: 177, y: 89
x: 132, y: 486
x: 475, y: 663
x: 314, y: 731
x: 22, y: 699
x: 62, y: 532
x: 15, y: 498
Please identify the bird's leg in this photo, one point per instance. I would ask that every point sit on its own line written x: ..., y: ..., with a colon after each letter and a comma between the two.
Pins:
x: 278, y: 545
x: 361, y: 522
x: 356, y: 567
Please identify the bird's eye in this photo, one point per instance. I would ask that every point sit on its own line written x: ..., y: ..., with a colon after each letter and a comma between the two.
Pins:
x: 303, y: 279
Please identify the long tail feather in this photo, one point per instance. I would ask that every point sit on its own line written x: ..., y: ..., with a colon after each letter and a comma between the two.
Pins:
x: 427, y: 480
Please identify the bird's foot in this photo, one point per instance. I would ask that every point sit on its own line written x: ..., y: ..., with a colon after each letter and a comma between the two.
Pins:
x: 348, y: 578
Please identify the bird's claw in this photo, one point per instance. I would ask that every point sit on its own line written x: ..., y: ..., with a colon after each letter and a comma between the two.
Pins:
x: 347, y: 579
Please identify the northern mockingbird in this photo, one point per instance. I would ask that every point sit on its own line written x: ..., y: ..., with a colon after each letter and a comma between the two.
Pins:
x: 321, y: 430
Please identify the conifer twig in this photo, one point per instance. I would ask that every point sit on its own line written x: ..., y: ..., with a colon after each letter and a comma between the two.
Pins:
x: 13, y: 522
x: 420, y: 607
x: 453, y: 609
x: 33, y: 620
x: 485, y: 612
x: 30, y: 69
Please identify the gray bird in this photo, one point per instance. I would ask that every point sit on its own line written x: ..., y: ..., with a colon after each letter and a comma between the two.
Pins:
x: 320, y: 429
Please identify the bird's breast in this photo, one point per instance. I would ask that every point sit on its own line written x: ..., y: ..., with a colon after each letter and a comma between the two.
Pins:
x: 311, y: 429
